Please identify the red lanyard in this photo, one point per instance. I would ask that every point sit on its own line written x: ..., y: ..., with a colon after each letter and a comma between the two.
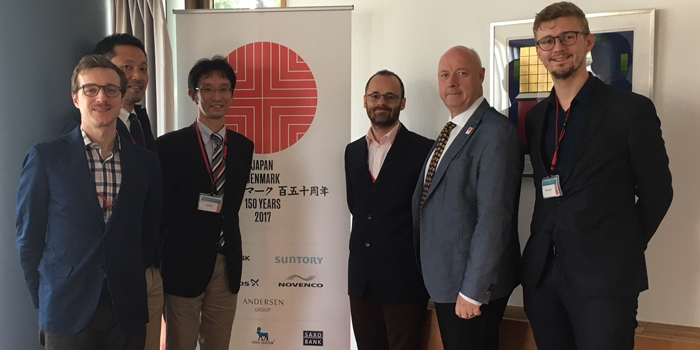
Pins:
x: 143, y: 138
x: 206, y: 158
x: 561, y: 134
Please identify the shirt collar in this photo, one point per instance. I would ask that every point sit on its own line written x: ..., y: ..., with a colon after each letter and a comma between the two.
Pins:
x: 582, y: 97
x: 89, y: 144
x: 124, y: 116
x: 462, y: 118
x: 206, y: 132
x: 389, y: 137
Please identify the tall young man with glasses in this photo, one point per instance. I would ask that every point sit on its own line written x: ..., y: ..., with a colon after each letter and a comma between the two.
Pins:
x: 88, y: 215
x: 602, y: 188
x: 387, y: 297
x: 205, y: 170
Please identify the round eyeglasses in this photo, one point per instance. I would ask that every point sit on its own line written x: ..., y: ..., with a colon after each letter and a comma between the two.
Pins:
x: 207, y: 92
x: 389, y: 98
x: 565, y: 38
x: 91, y: 90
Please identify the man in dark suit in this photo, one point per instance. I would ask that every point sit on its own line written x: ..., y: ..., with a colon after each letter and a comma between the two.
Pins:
x: 88, y: 215
x: 465, y: 209
x: 602, y: 187
x: 205, y: 170
x: 128, y: 53
x: 387, y: 297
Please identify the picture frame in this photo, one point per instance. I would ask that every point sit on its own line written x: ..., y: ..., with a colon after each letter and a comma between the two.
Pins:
x: 624, y: 56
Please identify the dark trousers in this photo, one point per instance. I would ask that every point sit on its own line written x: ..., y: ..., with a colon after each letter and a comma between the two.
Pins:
x: 478, y: 333
x: 387, y: 327
x: 101, y: 333
x: 561, y: 319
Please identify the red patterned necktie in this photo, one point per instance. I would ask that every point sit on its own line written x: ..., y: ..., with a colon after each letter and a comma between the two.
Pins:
x: 439, y: 148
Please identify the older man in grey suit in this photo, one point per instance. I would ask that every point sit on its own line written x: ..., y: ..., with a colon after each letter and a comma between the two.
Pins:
x: 465, y: 209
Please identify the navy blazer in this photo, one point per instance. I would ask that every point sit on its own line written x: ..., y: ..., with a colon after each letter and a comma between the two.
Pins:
x: 466, y: 233
x: 66, y: 250
x: 382, y: 259
x: 616, y: 190
x: 191, y: 237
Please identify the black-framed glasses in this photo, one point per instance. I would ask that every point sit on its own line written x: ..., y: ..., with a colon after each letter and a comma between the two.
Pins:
x: 209, y: 92
x: 565, y: 38
x: 91, y: 90
x: 389, y: 98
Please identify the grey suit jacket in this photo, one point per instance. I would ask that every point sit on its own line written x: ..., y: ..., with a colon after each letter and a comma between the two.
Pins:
x: 466, y: 232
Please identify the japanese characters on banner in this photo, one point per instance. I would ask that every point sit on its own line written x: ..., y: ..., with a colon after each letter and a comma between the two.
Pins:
x: 292, y: 99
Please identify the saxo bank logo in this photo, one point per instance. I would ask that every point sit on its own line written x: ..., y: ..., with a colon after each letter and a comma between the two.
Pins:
x: 297, y: 281
x: 263, y: 338
x: 313, y: 338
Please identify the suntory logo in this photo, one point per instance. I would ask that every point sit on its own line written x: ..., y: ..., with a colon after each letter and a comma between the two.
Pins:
x: 298, y: 260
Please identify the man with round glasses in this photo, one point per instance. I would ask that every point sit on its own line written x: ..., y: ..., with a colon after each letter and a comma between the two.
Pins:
x: 387, y: 296
x: 88, y: 216
x: 602, y: 186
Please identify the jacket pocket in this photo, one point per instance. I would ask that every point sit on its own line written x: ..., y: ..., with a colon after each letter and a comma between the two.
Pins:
x: 55, y: 269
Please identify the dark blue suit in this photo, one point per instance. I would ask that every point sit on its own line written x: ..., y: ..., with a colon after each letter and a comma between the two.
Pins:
x: 66, y: 250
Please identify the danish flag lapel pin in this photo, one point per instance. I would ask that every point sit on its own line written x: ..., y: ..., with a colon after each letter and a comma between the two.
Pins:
x: 469, y: 131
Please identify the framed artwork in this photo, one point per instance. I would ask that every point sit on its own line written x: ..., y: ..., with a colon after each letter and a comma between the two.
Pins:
x: 623, y: 56
x: 248, y: 4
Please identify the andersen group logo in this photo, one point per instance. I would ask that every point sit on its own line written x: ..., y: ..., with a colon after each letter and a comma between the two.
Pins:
x: 296, y: 281
x: 275, y: 99
x: 263, y: 338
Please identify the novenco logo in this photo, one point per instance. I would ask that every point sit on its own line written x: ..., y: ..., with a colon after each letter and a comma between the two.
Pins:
x: 300, y: 282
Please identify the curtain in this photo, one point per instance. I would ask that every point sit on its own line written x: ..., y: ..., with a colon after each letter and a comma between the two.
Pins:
x: 145, y: 19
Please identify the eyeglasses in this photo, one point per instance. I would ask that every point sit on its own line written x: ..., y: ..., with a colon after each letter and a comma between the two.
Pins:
x: 565, y: 38
x: 91, y: 90
x: 389, y: 98
x: 207, y: 92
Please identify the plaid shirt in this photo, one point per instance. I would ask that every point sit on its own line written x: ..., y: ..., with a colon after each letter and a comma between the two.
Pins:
x: 106, y: 172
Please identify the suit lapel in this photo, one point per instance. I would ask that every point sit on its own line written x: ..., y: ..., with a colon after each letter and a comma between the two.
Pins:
x: 539, y: 113
x: 74, y: 157
x: 457, y: 144
x: 394, y: 157
x: 594, y: 113
x: 127, y: 159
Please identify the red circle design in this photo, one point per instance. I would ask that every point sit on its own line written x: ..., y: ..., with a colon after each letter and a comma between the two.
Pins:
x: 275, y: 98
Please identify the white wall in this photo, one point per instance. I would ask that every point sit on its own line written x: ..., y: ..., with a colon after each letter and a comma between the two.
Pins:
x: 408, y: 37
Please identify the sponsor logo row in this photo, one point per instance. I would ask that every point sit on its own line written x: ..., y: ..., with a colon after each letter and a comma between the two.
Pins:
x: 293, y: 281
x: 309, y: 338
x: 303, y: 260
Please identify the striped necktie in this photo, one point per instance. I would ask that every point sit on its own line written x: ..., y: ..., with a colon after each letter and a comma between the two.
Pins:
x: 218, y: 166
x: 439, y: 148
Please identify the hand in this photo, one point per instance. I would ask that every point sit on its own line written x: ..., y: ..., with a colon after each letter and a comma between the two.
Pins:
x: 466, y: 310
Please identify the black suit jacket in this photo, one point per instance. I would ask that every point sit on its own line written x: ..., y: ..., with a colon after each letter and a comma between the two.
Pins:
x: 616, y: 190
x: 191, y: 236
x: 122, y: 129
x: 382, y: 259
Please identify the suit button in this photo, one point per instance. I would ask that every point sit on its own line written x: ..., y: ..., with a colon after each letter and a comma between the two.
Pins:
x: 366, y: 244
x: 557, y: 201
x: 373, y: 190
x: 369, y: 217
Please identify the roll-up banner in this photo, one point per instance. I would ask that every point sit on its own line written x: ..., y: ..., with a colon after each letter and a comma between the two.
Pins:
x: 292, y: 98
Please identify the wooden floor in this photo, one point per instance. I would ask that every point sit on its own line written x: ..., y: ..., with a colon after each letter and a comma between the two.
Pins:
x: 516, y: 334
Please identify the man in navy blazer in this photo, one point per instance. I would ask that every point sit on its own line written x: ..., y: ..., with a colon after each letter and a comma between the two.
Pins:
x: 602, y: 186
x: 387, y: 297
x: 465, y: 209
x: 88, y: 215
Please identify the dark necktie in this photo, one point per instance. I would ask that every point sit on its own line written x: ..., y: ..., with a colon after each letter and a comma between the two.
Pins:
x: 439, y: 148
x: 218, y: 168
x: 135, y: 130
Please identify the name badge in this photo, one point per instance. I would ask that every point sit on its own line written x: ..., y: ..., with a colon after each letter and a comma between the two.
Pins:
x: 210, y: 203
x: 551, y: 187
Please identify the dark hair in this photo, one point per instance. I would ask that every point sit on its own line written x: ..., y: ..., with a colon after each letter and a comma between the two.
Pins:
x: 106, y: 46
x: 557, y: 10
x: 386, y: 73
x: 96, y: 61
x: 205, y: 67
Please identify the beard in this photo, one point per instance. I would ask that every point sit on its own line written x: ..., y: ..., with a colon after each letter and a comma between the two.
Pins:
x: 383, y: 117
x: 566, y: 73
